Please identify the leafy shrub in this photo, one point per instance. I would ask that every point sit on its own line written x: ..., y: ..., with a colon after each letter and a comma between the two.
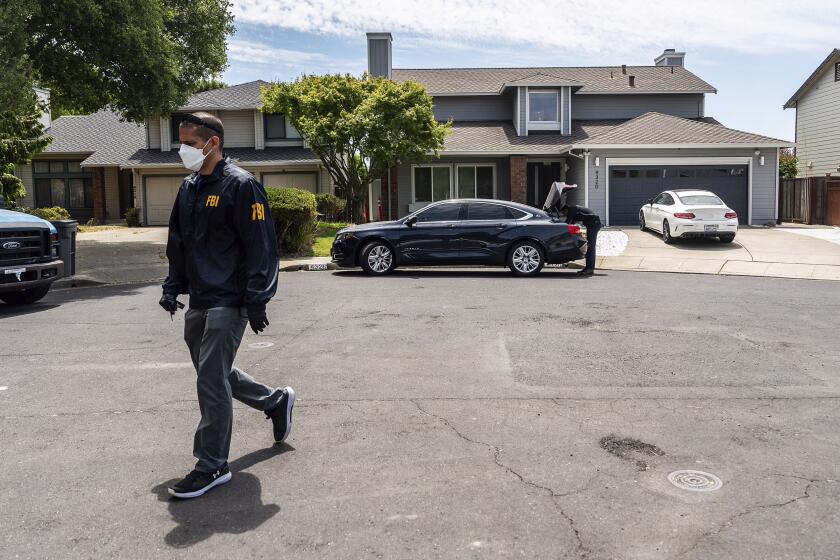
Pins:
x: 52, y: 213
x: 294, y: 212
x: 132, y: 217
x: 331, y: 207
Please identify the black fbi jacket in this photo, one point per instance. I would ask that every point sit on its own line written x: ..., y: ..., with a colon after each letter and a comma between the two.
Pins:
x: 222, y: 248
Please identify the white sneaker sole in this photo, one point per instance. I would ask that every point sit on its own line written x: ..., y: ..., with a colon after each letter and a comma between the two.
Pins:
x: 289, y: 406
x: 218, y: 482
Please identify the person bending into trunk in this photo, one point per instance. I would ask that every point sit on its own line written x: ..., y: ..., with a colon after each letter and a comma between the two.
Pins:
x: 222, y: 251
x: 558, y: 202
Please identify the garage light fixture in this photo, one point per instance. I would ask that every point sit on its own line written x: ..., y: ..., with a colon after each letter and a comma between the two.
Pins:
x: 597, y: 161
x: 758, y: 152
x: 761, y: 160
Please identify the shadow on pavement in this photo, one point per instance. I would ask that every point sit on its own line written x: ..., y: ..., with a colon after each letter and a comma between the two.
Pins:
x: 235, y: 507
x: 545, y: 274
x: 698, y: 243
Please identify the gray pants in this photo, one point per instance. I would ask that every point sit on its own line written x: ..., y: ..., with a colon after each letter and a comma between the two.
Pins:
x: 213, y: 337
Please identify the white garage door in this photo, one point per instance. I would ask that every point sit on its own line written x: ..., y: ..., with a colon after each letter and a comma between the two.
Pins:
x: 160, y: 197
x: 305, y: 181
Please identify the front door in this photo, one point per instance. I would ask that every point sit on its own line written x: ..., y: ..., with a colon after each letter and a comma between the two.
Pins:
x: 434, y: 238
x: 540, y: 177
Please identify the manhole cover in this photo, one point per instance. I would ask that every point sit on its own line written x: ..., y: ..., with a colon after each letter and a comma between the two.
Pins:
x: 695, y: 481
x: 257, y: 345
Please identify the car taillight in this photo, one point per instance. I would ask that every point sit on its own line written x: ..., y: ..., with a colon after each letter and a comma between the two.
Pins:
x: 574, y: 230
x: 684, y: 215
x: 730, y: 215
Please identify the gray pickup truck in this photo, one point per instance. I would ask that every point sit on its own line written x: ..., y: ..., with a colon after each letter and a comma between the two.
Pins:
x: 29, y: 262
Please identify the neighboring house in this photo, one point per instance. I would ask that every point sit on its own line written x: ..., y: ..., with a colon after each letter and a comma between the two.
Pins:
x: 622, y: 133
x: 80, y: 169
x: 98, y: 167
x: 817, y: 104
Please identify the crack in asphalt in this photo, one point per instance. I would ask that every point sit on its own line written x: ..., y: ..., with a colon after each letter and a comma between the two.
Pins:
x: 752, y: 509
x: 582, y: 549
x: 300, y: 403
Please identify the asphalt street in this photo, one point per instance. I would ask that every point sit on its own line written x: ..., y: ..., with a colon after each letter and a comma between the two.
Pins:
x: 441, y: 414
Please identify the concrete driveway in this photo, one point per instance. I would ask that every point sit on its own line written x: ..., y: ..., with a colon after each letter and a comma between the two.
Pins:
x: 774, y: 252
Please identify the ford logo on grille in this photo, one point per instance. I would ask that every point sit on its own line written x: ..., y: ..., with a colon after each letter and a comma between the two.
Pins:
x: 12, y: 245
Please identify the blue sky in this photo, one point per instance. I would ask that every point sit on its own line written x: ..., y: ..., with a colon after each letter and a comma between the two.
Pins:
x: 756, y: 53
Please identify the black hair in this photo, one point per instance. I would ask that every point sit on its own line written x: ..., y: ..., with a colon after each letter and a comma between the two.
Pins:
x: 205, y: 125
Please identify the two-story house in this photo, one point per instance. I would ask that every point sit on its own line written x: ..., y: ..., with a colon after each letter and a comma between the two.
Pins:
x: 622, y: 133
x: 817, y: 104
x: 98, y: 166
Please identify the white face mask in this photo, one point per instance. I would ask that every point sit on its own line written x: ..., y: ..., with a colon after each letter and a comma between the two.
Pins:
x: 193, y: 158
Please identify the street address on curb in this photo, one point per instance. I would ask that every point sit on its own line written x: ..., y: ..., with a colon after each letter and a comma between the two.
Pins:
x: 318, y: 266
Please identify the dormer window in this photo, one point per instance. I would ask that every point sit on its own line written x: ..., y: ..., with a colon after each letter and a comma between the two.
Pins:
x: 275, y: 126
x: 544, y: 110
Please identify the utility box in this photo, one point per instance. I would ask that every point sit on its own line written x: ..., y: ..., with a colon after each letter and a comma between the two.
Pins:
x: 67, y: 244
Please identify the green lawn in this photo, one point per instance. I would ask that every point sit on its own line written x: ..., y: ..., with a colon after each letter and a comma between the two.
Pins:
x: 324, y: 237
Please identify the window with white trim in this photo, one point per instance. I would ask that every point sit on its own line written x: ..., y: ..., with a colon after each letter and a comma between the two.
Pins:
x: 432, y: 183
x: 544, y: 106
x: 476, y: 181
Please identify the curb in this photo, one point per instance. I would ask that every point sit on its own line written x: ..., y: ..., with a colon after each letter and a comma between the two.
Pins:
x: 80, y: 281
x: 309, y: 267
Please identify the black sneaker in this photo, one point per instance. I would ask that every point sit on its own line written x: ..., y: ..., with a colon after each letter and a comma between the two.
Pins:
x: 198, y: 482
x: 586, y: 272
x: 281, y: 415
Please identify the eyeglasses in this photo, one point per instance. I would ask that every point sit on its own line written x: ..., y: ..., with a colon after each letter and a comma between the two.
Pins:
x: 190, y: 118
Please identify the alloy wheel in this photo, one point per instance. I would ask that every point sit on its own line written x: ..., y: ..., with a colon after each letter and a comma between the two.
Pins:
x: 526, y: 259
x: 380, y: 258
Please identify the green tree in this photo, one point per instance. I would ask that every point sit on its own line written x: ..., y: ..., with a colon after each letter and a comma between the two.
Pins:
x: 359, y: 127
x: 787, y: 164
x: 206, y: 84
x: 21, y: 136
x: 139, y: 57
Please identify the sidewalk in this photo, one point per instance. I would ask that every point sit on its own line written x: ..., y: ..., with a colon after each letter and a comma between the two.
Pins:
x: 768, y: 252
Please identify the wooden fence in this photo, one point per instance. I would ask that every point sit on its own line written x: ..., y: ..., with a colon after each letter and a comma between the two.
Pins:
x: 812, y: 200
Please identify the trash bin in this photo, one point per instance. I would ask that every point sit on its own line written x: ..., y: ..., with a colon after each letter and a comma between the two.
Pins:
x: 67, y: 244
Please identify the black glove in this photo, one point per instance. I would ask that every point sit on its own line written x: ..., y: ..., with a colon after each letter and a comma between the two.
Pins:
x: 257, y: 317
x: 169, y: 303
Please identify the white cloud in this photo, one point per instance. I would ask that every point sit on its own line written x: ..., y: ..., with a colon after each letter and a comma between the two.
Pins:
x: 602, y: 27
x: 259, y: 53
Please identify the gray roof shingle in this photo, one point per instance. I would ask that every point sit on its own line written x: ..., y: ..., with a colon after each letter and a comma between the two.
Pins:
x: 240, y: 96
x: 500, y: 137
x: 657, y: 128
x: 241, y: 156
x: 102, y: 134
x: 601, y: 79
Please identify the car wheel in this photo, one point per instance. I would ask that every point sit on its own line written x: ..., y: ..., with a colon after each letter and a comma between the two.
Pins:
x: 727, y: 238
x: 25, y: 297
x: 377, y: 258
x: 642, y: 225
x: 526, y: 258
x: 666, y: 233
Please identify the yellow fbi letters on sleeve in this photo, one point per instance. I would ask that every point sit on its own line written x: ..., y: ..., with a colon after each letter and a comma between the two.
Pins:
x: 212, y: 200
x: 257, y: 211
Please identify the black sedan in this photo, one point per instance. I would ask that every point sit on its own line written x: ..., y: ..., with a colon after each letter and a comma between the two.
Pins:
x: 462, y: 232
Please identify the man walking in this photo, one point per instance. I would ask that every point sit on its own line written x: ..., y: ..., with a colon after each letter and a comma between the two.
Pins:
x: 222, y: 251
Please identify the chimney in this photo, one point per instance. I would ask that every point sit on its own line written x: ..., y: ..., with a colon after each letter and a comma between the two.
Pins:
x: 623, y: 68
x: 670, y: 57
x: 379, y: 54
x: 632, y: 81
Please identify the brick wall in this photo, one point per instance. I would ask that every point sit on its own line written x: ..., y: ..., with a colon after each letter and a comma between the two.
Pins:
x: 519, y: 179
x: 99, y: 194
